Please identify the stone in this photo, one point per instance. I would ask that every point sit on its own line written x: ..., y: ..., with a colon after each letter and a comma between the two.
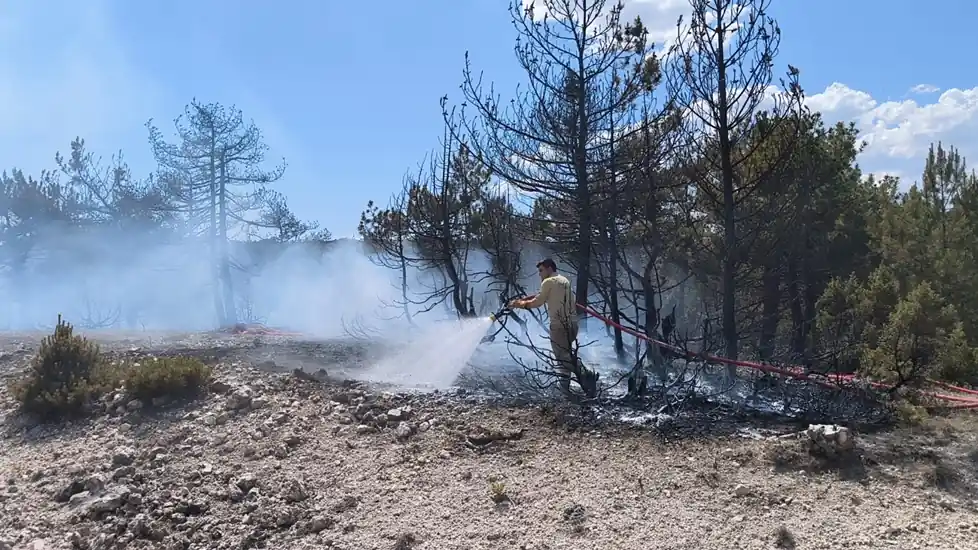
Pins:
x: 123, y: 456
x: 295, y: 491
x: 240, y: 398
x: 247, y: 482
x: 400, y: 413
x: 320, y: 524
x: 88, y: 505
x: 404, y: 430
x: 830, y: 439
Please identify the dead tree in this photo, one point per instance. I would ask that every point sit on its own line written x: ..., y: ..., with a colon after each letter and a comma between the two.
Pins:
x: 385, y: 231
x: 432, y: 227
x: 551, y: 142
x: 218, y: 161
x: 96, y: 316
x: 720, y: 70
x: 108, y: 195
x: 502, y: 233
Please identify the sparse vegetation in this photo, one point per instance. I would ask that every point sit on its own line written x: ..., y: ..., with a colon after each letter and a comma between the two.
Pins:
x: 66, y: 374
x: 166, y: 377
x: 293, y: 462
x: 405, y: 541
x: 945, y: 476
x: 575, y: 515
x: 743, y: 227
x: 70, y: 372
x: 909, y: 414
x: 706, y: 216
x: 783, y: 538
x: 497, y: 492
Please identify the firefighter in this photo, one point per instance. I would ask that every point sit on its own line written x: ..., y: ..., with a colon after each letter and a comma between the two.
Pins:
x: 556, y: 294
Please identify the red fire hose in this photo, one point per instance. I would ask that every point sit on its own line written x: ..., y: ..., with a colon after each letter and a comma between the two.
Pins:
x: 793, y: 371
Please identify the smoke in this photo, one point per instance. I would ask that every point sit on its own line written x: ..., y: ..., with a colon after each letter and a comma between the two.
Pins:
x: 106, y: 280
x: 137, y: 282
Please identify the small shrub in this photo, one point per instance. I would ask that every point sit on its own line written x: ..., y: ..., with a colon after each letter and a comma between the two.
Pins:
x: 175, y: 377
x: 575, y: 514
x: 784, y: 538
x: 944, y: 476
x: 405, y: 541
x: 67, y: 372
x: 497, y: 492
x: 909, y: 414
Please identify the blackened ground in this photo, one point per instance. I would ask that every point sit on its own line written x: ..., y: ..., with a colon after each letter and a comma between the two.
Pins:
x: 704, y: 402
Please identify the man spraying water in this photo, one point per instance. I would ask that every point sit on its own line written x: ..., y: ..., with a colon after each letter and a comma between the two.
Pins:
x: 556, y: 294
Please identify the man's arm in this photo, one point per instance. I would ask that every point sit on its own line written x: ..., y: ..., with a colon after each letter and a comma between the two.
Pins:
x: 539, y: 299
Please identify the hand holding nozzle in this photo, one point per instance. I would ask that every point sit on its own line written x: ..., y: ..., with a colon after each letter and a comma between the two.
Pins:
x: 507, y: 310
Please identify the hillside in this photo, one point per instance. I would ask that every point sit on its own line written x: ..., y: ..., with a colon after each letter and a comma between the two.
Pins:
x: 275, y: 460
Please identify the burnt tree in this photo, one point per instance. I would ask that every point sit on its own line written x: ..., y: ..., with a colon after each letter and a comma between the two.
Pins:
x: 720, y: 71
x: 584, y: 67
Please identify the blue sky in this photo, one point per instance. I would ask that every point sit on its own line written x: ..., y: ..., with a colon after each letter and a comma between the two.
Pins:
x: 349, y: 93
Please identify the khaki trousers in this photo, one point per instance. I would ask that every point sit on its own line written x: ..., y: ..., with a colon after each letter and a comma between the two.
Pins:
x: 562, y: 338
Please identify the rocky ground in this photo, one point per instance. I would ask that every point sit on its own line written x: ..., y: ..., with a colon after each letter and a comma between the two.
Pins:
x: 269, y: 459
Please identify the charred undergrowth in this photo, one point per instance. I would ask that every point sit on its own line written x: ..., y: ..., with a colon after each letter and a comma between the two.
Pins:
x: 702, y: 402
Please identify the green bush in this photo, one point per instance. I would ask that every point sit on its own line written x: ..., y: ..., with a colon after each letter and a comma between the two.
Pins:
x: 67, y: 372
x: 167, y: 377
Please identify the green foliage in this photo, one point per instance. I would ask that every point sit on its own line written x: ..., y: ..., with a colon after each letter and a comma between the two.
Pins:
x: 909, y: 414
x: 67, y: 372
x: 869, y: 327
x: 909, y: 345
x: 167, y: 377
x: 915, y: 315
x: 839, y: 323
x: 957, y: 360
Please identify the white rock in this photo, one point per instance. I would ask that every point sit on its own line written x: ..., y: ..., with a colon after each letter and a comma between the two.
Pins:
x: 831, y: 438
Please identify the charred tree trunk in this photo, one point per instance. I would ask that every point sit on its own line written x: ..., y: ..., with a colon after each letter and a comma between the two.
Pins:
x: 805, y: 344
x: 583, y: 185
x: 649, y: 294
x: 770, y: 306
x: 613, y: 254
x: 729, y: 216
x: 230, y: 313
x: 796, y: 304
x: 652, y: 355
x: 213, y: 233
x: 404, y: 286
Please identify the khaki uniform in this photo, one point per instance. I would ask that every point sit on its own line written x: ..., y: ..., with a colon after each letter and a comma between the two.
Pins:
x: 556, y: 294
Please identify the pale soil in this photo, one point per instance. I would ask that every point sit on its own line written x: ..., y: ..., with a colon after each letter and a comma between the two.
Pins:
x: 324, y: 480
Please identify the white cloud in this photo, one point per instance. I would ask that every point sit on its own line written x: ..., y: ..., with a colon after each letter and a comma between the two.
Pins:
x: 659, y: 16
x: 898, y: 133
x: 64, y: 74
x: 924, y: 89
